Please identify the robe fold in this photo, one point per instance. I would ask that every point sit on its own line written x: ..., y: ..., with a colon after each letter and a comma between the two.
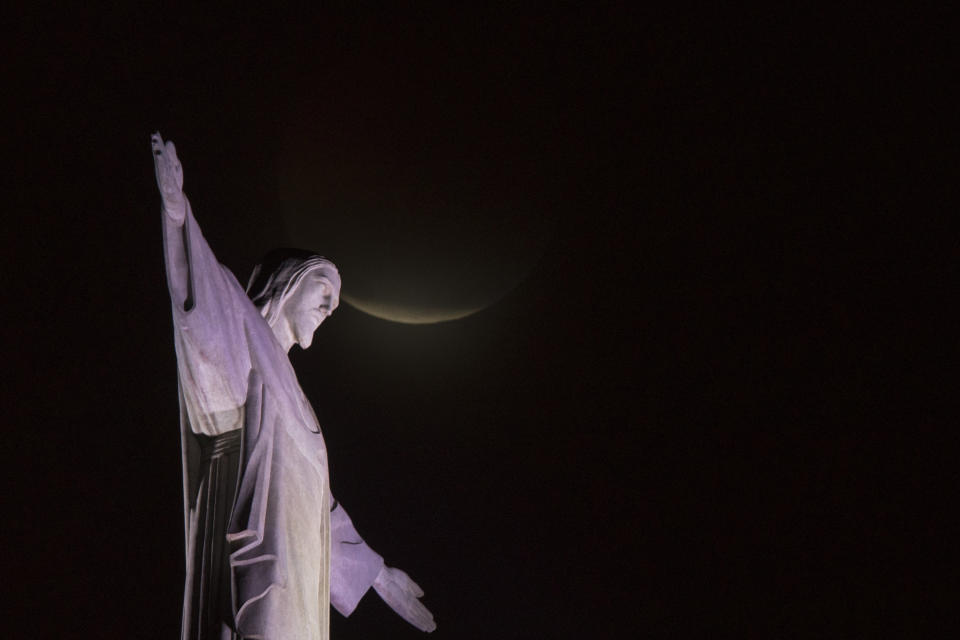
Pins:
x: 260, y: 559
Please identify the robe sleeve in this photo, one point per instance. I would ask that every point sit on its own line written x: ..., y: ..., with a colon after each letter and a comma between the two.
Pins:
x: 353, y: 564
x: 208, y: 307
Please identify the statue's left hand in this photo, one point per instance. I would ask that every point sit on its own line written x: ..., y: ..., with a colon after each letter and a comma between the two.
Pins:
x: 401, y: 593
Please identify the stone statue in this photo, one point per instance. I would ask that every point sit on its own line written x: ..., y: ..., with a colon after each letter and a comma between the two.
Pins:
x: 268, y: 548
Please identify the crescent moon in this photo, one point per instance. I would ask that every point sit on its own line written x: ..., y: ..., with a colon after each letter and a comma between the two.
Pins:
x: 407, y: 315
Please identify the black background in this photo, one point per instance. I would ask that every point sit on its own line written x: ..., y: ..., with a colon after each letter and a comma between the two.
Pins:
x: 695, y: 417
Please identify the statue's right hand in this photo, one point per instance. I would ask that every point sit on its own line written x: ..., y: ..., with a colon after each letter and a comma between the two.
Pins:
x: 169, y: 177
x: 403, y: 595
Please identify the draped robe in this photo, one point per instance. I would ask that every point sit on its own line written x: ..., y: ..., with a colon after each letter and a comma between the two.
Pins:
x: 286, y: 556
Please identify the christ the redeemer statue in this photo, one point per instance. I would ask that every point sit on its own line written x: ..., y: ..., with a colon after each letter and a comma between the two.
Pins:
x: 268, y: 548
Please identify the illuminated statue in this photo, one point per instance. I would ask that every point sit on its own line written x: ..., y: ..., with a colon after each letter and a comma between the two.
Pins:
x: 268, y: 548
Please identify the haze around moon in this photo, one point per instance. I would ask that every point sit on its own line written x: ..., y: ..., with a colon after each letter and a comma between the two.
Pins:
x: 427, y: 221
x: 419, y: 262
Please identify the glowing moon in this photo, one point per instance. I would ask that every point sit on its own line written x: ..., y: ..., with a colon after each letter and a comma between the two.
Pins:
x: 408, y: 314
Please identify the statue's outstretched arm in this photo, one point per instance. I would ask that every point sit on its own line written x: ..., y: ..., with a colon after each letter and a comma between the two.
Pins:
x: 169, y: 174
x: 355, y: 567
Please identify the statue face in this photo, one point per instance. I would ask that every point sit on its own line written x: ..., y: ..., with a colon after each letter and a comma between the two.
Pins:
x: 308, y: 306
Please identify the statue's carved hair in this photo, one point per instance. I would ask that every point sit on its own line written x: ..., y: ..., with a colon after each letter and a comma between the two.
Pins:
x: 279, y: 273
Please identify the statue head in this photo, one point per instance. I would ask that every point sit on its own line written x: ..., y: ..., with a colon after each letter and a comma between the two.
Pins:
x: 295, y: 291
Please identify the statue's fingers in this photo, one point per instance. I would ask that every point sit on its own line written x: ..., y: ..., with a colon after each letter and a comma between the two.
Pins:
x: 401, y: 600
x: 420, y: 617
x: 415, y: 589
x: 407, y: 583
x: 159, y: 158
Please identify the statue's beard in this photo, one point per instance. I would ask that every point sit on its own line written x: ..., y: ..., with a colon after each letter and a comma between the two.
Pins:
x: 304, y: 332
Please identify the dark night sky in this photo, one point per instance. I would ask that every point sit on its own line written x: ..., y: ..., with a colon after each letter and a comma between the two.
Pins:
x: 689, y: 419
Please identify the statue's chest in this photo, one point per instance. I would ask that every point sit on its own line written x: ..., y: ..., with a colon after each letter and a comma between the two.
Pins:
x: 290, y: 406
